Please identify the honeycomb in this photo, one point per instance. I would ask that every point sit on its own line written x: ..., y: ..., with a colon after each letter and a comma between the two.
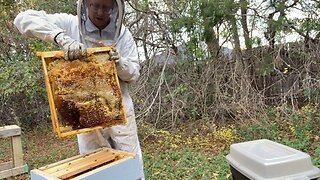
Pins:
x: 86, y: 92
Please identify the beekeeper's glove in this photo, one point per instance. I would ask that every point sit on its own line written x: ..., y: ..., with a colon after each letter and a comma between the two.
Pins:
x: 72, y: 48
x: 114, y: 55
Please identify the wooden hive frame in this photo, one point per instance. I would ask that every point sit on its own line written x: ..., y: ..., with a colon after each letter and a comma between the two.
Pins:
x: 15, y: 167
x: 67, y: 131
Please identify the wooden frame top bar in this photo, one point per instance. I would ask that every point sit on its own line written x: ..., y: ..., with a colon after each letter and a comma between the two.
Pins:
x: 61, y: 53
x: 8, y: 131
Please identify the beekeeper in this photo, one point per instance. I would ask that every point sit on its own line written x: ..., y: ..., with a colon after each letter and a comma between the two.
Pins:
x: 99, y: 22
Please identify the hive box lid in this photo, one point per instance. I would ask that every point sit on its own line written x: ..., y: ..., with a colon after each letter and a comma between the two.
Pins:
x: 265, y: 159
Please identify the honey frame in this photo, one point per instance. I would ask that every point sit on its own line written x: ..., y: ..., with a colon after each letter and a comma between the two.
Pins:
x: 67, y: 131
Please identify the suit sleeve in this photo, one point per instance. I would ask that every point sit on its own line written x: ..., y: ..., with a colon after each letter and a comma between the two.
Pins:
x: 39, y: 24
x: 128, y: 67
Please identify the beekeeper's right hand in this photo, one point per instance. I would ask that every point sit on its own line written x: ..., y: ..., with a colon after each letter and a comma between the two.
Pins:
x: 72, y: 48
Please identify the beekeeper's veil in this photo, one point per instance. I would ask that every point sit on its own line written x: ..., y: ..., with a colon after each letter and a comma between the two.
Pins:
x: 116, y: 18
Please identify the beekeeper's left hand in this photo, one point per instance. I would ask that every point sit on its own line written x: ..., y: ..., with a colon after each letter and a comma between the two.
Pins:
x: 114, y: 55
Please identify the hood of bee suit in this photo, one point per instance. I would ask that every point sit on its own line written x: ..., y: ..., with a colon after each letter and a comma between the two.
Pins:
x: 114, y: 27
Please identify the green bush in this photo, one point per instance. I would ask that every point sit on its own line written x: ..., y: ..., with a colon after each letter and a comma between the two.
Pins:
x: 23, y: 94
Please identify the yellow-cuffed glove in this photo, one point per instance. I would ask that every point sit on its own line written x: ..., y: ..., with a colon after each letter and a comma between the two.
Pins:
x: 72, y: 48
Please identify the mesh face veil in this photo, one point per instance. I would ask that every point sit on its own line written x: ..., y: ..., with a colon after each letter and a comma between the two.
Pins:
x: 115, y: 14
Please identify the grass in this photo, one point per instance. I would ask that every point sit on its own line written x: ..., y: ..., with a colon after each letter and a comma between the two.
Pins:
x: 195, y: 151
x: 185, y: 163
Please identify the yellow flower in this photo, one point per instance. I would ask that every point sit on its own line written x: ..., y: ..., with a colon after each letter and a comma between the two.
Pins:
x: 174, y: 146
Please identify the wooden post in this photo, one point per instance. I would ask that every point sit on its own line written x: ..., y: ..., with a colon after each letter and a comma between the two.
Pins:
x: 16, y: 167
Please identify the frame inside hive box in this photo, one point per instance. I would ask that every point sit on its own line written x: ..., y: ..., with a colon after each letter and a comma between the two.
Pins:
x: 99, y: 164
x: 83, y: 94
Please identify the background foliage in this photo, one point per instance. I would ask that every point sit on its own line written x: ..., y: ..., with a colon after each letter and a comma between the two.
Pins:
x: 194, y: 63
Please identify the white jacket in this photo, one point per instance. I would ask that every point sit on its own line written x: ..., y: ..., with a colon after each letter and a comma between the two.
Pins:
x: 45, y: 26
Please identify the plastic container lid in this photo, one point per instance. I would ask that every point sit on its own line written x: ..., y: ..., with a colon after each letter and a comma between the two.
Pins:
x: 265, y: 159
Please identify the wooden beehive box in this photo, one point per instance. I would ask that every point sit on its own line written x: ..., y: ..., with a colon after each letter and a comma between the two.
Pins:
x: 103, y: 163
x: 83, y: 94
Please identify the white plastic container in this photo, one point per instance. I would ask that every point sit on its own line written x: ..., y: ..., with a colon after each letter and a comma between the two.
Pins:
x: 267, y: 160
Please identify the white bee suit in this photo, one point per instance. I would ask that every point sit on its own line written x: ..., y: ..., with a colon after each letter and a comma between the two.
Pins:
x: 45, y: 26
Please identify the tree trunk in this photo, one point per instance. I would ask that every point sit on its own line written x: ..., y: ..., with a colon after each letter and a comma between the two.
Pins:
x: 235, y: 35
x: 213, y: 45
x: 244, y: 23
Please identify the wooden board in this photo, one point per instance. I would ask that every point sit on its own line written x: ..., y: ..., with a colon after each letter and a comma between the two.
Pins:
x: 46, y: 57
x: 8, y: 131
x: 6, y: 166
x: 12, y: 172
x: 15, y: 167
